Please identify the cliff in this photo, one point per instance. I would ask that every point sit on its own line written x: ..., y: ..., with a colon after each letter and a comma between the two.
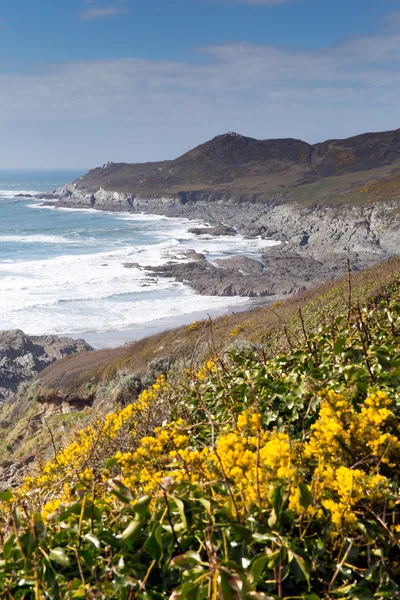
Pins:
x: 242, y: 166
x: 22, y: 357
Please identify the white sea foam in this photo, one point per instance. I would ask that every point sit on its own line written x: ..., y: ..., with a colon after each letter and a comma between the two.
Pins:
x: 37, y: 239
x: 13, y: 193
x: 96, y: 292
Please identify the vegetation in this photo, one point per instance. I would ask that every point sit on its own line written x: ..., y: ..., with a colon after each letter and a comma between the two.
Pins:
x: 73, y: 391
x: 251, y: 476
x: 234, y: 168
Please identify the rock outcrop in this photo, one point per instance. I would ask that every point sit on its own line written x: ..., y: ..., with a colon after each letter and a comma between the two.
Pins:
x: 22, y: 357
x: 327, y: 202
x: 243, y: 165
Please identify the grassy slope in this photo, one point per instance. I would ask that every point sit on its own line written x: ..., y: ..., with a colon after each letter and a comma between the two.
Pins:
x: 264, y: 324
x: 99, y: 378
x: 268, y: 478
x: 236, y: 167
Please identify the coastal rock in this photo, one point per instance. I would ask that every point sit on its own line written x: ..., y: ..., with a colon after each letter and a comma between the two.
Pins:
x: 214, y: 231
x: 244, y: 264
x: 22, y: 357
x: 193, y: 255
x: 271, y: 189
x: 209, y: 280
x: 12, y: 471
x: 318, y: 229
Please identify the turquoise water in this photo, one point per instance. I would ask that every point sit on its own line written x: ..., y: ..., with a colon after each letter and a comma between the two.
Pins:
x: 63, y: 270
x: 28, y: 234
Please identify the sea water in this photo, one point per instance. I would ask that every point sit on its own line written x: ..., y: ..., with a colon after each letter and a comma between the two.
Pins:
x: 62, y: 271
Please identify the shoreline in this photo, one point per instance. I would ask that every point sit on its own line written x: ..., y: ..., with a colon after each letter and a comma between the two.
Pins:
x: 119, y: 337
x: 317, y: 242
x: 120, y: 334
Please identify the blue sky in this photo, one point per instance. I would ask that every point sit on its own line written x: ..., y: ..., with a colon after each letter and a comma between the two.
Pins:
x: 87, y: 81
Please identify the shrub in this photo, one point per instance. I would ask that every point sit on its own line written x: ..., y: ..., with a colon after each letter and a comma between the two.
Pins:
x: 249, y: 477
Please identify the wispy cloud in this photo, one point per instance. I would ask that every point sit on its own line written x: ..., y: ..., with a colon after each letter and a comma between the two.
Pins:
x: 132, y: 109
x: 259, y: 2
x: 97, y: 12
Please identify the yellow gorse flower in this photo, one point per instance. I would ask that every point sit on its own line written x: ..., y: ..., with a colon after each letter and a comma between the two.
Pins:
x: 340, y: 461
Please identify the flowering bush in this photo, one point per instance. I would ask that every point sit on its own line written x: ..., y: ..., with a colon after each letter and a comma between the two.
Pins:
x: 246, y: 478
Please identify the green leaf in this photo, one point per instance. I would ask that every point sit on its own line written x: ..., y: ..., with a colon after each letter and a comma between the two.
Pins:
x: 8, y: 546
x: 259, y: 596
x: 93, y: 539
x: 153, y: 545
x: 339, y: 345
x: 91, y: 511
x: 299, y: 566
x: 109, y: 464
x: 277, y: 500
x: 361, y: 594
x: 206, y: 503
x: 132, y: 531
x: 6, y: 496
x: 120, y: 490
x: 257, y: 566
x: 264, y: 537
x: 306, y: 497
x: 59, y: 556
x: 181, y: 509
x: 88, y: 557
x: 243, y: 531
x: 142, y: 505
x: 189, y: 558
x: 228, y: 586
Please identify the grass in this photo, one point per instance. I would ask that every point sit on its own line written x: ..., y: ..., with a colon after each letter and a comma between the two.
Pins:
x: 253, y: 475
x: 94, y: 382
x: 75, y: 376
x: 347, y: 189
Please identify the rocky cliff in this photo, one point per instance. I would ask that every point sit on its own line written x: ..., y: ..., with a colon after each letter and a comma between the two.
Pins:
x: 243, y: 165
x: 327, y: 202
x: 22, y: 357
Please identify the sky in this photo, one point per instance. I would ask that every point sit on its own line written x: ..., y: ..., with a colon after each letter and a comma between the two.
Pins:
x: 84, y: 82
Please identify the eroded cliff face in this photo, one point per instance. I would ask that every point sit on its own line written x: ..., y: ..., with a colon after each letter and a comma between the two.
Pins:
x: 317, y: 229
x: 22, y: 357
x: 316, y: 241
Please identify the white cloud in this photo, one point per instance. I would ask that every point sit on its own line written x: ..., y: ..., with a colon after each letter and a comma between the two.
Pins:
x: 95, y: 12
x: 260, y: 2
x: 132, y: 109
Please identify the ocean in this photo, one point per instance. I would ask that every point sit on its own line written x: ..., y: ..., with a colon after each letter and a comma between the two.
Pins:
x: 62, y: 270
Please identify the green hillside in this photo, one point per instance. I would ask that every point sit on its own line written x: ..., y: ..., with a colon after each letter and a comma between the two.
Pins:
x: 267, y: 471
x: 235, y: 167
x: 95, y: 383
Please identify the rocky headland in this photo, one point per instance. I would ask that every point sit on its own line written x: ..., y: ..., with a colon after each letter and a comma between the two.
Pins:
x: 326, y: 203
x: 22, y: 357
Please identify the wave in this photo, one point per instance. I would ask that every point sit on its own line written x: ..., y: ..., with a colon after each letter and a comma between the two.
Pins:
x: 37, y: 239
x: 14, y: 193
x: 81, y: 292
x: 108, y: 314
x: 120, y: 215
x: 67, y: 293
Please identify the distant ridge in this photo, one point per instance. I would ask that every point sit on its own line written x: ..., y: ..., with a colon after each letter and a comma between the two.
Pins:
x: 243, y: 165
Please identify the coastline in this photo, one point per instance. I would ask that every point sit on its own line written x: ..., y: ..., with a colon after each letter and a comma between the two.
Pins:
x: 318, y: 243
x: 136, y: 316
x: 120, y: 337
x: 365, y: 232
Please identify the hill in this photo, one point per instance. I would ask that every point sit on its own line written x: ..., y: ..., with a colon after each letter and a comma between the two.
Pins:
x: 256, y: 473
x: 245, y: 166
x: 73, y: 391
